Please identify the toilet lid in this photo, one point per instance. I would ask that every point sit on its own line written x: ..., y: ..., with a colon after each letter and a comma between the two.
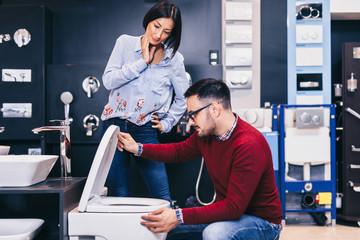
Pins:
x: 100, y: 167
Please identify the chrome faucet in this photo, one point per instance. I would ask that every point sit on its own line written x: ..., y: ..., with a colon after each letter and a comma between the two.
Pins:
x: 65, y: 153
x: 64, y: 128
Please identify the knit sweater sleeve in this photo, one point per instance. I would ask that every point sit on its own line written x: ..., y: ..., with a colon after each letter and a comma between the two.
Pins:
x: 246, y: 170
x: 173, y: 152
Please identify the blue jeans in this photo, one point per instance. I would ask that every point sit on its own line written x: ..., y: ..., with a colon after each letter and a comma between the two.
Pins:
x: 153, y: 173
x: 247, y: 227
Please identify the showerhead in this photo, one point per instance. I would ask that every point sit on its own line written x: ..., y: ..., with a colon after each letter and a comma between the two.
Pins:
x: 66, y: 97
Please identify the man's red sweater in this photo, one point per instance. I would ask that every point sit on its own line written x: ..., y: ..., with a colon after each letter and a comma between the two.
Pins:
x: 240, y: 168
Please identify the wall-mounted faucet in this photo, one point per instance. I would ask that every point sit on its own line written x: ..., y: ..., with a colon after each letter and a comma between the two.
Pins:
x: 91, y: 123
x: 90, y: 85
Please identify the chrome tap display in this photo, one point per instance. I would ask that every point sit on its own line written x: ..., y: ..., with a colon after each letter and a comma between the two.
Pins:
x: 91, y: 85
x: 67, y: 98
x: 65, y: 149
x: 64, y: 128
x: 91, y: 123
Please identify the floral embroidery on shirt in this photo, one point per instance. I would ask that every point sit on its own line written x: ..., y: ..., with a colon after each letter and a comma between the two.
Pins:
x: 121, y: 106
x: 139, y: 105
x: 108, y: 110
x: 141, y: 118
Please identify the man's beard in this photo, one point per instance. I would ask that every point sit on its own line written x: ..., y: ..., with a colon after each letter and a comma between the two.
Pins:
x: 209, y: 129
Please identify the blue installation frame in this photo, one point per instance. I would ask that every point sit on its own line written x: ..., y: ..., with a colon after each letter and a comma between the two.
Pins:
x: 273, y: 140
x: 317, y: 186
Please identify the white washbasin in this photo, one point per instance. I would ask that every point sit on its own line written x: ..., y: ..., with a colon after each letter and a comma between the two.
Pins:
x: 25, y: 170
x: 19, y: 228
x: 4, y: 150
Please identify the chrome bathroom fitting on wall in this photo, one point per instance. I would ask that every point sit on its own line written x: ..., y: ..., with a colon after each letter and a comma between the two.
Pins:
x: 5, y: 37
x: 91, y: 85
x: 64, y: 128
x: 309, y: 11
x: 22, y: 37
x: 2, y: 129
x: 91, y: 123
x: 352, y: 83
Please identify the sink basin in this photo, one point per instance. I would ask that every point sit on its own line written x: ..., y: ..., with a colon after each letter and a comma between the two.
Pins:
x: 19, y: 228
x: 4, y: 150
x: 25, y: 170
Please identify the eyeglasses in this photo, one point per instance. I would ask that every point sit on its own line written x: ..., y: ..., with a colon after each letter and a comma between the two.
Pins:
x: 191, y: 115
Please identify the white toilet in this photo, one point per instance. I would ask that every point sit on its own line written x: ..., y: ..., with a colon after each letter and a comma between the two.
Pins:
x: 110, y: 218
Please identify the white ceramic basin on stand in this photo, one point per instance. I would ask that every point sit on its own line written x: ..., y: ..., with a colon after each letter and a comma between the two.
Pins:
x: 4, y: 150
x: 19, y: 228
x: 25, y: 170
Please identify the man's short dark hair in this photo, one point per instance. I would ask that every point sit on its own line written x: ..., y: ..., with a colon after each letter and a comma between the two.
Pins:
x: 211, y: 89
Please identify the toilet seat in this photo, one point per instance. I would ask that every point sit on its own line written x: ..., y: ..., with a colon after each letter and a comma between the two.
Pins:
x: 100, y: 167
x: 125, y: 204
x: 110, y: 217
x: 91, y: 199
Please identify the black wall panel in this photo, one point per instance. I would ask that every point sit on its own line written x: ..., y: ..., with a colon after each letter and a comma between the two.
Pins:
x: 62, y: 78
x: 34, y: 56
x: 273, y: 52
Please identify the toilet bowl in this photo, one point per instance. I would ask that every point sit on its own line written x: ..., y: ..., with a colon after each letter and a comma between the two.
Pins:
x: 110, y: 218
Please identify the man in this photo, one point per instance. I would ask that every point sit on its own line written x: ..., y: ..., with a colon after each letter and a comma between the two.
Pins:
x: 239, y: 162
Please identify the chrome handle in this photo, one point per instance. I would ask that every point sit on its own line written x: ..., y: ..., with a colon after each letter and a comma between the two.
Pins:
x: 355, y: 187
x: 352, y: 112
x: 14, y: 110
x: 65, y: 122
x: 90, y: 122
x: 309, y: 84
x: 2, y: 129
x: 91, y: 85
x: 354, y: 166
x: 354, y: 149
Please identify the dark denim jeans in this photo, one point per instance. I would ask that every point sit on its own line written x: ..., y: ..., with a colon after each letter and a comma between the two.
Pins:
x: 153, y: 173
x: 247, y: 227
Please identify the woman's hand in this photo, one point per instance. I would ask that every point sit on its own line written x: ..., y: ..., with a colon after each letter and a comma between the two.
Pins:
x: 125, y: 141
x: 156, y: 122
x: 148, y: 50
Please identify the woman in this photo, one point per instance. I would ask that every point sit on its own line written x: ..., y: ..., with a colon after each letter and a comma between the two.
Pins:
x: 142, y: 74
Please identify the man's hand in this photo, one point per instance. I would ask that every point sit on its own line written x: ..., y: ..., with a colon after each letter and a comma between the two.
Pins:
x: 156, y: 122
x: 127, y: 142
x: 161, y: 220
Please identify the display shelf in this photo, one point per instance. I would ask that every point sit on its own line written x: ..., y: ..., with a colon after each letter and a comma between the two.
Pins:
x: 49, y: 200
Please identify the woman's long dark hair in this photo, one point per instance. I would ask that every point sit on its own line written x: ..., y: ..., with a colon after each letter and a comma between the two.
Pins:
x: 166, y: 10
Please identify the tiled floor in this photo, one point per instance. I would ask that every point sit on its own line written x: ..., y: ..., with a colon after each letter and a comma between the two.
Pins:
x: 339, y: 232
